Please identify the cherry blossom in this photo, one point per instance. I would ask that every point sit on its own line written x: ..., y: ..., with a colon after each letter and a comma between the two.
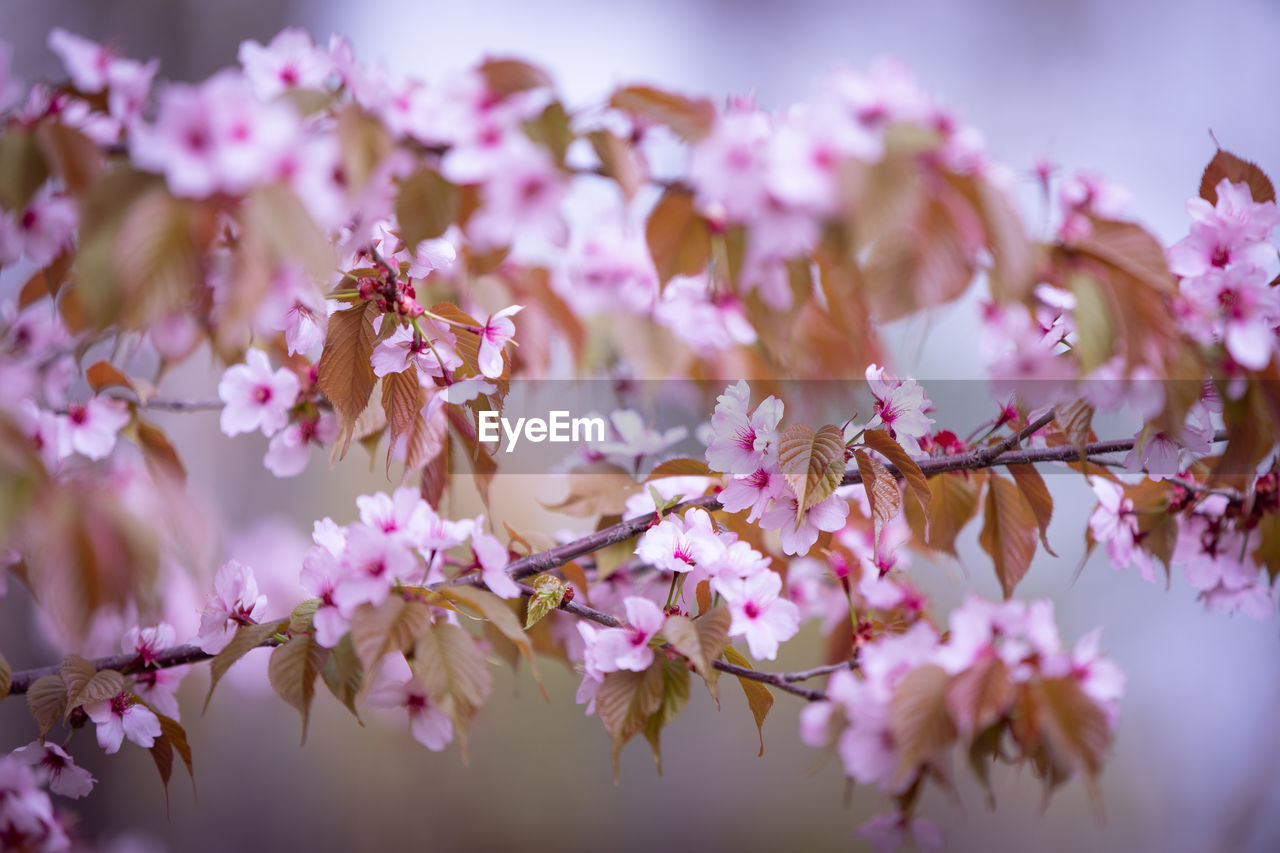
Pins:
x: 759, y: 613
x: 321, y: 574
x: 742, y: 443
x: 1114, y: 523
x: 120, y: 717
x: 289, y: 61
x: 800, y: 533
x: 492, y: 558
x: 900, y: 408
x: 39, y: 232
x: 372, y: 563
x: 256, y: 397
x: 707, y: 322
x: 235, y: 602
x: 888, y: 832
x: 27, y: 820
x: 91, y: 429
x: 495, y: 333
x: 1236, y: 306
x: 756, y: 492
x: 729, y: 167
x: 55, y: 768
x: 680, y: 545
x: 397, y: 687
x: 289, y: 450
x: 432, y: 355
x: 521, y: 197
x: 628, y: 648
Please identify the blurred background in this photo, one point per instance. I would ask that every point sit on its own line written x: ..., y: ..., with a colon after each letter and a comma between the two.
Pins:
x: 1130, y: 89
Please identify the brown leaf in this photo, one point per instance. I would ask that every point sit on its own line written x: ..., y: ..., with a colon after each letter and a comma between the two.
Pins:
x: 426, y: 206
x: 680, y: 467
x: 343, y: 673
x: 1236, y: 170
x: 675, y: 696
x: 454, y: 673
x: 6, y: 677
x: 701, y: 641
x: 919, y: 719
x: 364, y: 142
x: 292, y: 672
x: 625, y: 700
x: 980, y: 696
x: 1074, y: 726
x: 617, y: 161
x: 392, y: 626
x: 47, y: 701
x: 71, y: 154
x: 759, y: 697
x: 1009, y: 532
x: 812, y: 463
x: 345, y: 372
x: 953, y: 503
x: 85, y: 683
x: 246, y: 639
x: 1012, y: 270
x: 678, y: 238
x: 403, y: 399
x: 104, y: 374
x: 597, y: 489
x: 1032, y: 486
x: 883, y: 494
x: 435, y: 473
x: 691, y: 119
x: 508, y: 76
x: 23, y: 168
x: 158, y: 452
x: 881, y: 442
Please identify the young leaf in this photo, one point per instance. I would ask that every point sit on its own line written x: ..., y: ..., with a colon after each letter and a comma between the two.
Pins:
x: 411, y: 436
x: 1009, y: 533
x: 392, y: 626
x: 625, y: 701
x: 883, y: 493
x: 1032, y: 486
x: 246, y: 639
x: 549, y: 593
x: 919, y: 719
x: 47, y: 700
x: 759, y: 697
x: 292, y: 672
x: 675, y: 696
x: 881, y: 442
x: 812, y: 462
x: 343, y: 674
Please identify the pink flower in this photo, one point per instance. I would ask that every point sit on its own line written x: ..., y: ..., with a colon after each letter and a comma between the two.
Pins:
x: 759, y: 614
x: 321, y: 574
x: 680, y: 545
x: 628, y: 648
x: 432, y: 356
x: 608, y: 270
x: 41, y: 231
x: 235, y: 602
x: 27, y: 820
x: 86, y: 61
x: 888, y: 832
x: 730, y: 167
x: 494, y: 335
x: 397, y: 687
x: 92, y: 428
x: 255, y: 397
x: 742, y: 443
x: 492, y: 557
x: 521, y: 197
x: 290, y: 61
x: 708, y: 323
x: 1236, y: 306
x: 755, y: 492
x: 289, y: 450
x: 159, y: 687
x: 54, y: 767
x: 1114, y: 523
x: 148, y: 642
x: 900, y: 408
x: 800, y: 534
x: 372, y: 564
x: 118, y: 718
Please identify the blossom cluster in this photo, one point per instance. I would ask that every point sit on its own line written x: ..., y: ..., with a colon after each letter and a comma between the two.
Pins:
x: 28, y: 820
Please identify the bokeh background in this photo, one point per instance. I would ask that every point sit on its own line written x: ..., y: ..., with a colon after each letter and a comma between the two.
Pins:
x: 1131, y: 89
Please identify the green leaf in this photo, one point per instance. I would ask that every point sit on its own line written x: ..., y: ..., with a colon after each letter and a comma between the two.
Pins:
x: 675, y: 696
x: 246, y: 639
x: 343, y: 673
x: 292, y: 672
x: 812, y: 462
x: 1009, y: 533
x: 759, y: 697
x: 624, y: 702
x: 47, y: 700
x: 303, y: 616
x: 919, y: 719
x: 702, y: 641
x: 392, y: 626
x: 1094, y: 330
x: 549, y: 592
x: 426, y: 206
x: 881, y: 442
x: 454, y: 673
x: 85, y: 683
x: 23, y: 169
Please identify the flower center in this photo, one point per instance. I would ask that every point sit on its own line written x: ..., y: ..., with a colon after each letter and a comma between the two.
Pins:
x: 751, y: 609
x: 262, y: 394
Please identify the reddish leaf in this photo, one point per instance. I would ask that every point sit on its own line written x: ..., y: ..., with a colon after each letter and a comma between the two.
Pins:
x: 678, y: 238
x: 812, y: 463
x: 1032, y: 486
x: 625, y: 700
x: 345, y: 373
x: 1074, y: 726
x: 690, y: 119
x: 508, y: 76
x: 1009, y: 533
x: 1227, y: 165
x: 675, y: 696
x: 883, y: 494
x: 980, y: 696
x: 953, y: 503
x: 881, y: 442
x: 921, y: 725
x: 392, y: 626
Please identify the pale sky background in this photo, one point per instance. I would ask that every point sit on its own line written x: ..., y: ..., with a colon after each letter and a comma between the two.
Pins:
x: 1130, y: 89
